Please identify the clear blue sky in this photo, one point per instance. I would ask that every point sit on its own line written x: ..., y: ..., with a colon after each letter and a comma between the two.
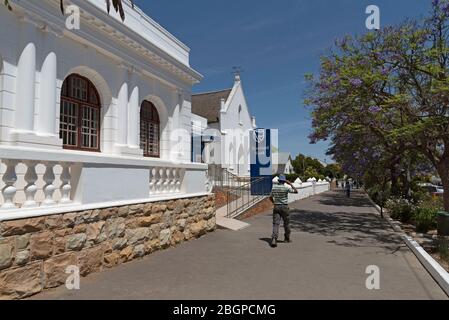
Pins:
x: 276, y: 43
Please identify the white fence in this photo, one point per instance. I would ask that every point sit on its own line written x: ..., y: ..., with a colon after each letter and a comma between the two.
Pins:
x: 307, y: 189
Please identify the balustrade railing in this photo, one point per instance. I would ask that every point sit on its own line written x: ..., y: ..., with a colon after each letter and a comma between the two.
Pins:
x: 27, y: 184
x: 166, y: 180
x: 32, y: 184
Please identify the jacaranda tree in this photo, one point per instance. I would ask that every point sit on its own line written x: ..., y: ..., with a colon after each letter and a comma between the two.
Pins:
x: 386, y: 94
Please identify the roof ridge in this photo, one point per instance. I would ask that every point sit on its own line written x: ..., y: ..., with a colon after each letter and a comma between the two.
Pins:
x: 209, y: 92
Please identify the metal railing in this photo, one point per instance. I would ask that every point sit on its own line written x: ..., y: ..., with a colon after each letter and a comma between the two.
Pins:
x: 242, y: 193
x: 246, y: 198
x: 223, y: 179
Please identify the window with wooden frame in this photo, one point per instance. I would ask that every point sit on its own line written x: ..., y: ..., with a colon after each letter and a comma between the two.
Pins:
x: 80, y: 114
x: 149, y: 130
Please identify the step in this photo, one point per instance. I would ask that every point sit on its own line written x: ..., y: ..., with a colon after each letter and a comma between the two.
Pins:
x: 231, y: 224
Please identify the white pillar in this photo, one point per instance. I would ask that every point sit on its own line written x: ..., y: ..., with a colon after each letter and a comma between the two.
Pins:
x: 122, y: 115
x: 26, y: 80
x: 133, y: 119
x: 47, y: 104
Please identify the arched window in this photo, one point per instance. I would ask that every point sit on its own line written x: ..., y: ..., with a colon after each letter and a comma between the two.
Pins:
x: 240, y: 114
x: 80, y: 114
x: 149, y: 130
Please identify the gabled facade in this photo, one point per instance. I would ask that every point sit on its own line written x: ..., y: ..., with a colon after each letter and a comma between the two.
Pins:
x: 230, y: 123
x: 282, y: 163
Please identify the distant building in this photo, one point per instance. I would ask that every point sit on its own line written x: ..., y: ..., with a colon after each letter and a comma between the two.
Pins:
x: 229, y: 124
x: 282, y: 163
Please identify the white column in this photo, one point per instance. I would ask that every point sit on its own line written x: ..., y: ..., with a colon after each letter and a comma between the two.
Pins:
x: 26, y: 79
x: 133, y: 119
x: 122, y: 115
x: 47, y: 104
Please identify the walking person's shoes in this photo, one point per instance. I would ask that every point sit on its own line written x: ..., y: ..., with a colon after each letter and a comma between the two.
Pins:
x: 287, y: 239
x: 274, y: 243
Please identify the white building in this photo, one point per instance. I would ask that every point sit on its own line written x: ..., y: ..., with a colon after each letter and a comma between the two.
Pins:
x: 230, y: 122
x: 95, y: 125
x: 109, y: 102
x: 282, y: 163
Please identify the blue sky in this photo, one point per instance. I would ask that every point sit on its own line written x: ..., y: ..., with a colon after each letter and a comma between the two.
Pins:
x: 276, y: 43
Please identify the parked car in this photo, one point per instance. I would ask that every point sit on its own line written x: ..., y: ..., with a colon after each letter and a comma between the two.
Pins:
x: 435, y: 191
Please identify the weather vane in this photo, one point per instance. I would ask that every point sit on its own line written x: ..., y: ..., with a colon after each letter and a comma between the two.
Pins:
x: 237, y: 71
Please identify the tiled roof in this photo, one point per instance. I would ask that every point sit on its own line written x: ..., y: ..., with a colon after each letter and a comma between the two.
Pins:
x: 208, y: 105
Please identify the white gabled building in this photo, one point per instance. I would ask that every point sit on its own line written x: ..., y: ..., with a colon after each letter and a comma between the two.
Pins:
x: 282, y: 163
x: 230, y: 122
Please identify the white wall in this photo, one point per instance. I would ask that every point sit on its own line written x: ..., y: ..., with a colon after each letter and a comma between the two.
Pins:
x: 308, y: 189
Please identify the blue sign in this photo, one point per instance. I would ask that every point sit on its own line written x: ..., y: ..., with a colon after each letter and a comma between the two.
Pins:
x: 261, y: 164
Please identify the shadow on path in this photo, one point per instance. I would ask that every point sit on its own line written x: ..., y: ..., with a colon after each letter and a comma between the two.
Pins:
x: 347, y: 221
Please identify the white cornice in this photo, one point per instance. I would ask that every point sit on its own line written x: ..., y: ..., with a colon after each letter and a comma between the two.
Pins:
x: 110, y: 28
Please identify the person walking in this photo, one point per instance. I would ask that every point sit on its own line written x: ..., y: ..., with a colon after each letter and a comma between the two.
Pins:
x: 279, y: 197
x: 348, y: 189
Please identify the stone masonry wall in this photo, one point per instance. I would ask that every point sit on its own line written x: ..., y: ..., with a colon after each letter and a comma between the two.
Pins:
x: 35, y: 252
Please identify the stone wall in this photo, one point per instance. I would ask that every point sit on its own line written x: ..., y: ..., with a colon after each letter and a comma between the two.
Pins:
x: 35, y: 252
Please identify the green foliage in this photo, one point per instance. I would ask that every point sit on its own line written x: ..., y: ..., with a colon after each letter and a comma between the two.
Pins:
x: 379, y: 195
x: 400, y: 209
x: 425, y: 219
x: 292, y: 177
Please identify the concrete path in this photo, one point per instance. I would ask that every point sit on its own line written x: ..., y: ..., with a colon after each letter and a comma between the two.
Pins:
x: 335, y: 239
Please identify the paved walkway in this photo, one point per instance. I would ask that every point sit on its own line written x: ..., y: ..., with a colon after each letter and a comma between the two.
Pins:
x: 335, y: 239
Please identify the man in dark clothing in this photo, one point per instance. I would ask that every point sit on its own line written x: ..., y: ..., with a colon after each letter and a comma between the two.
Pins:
x: 279, y: 197
x: 348, y: 189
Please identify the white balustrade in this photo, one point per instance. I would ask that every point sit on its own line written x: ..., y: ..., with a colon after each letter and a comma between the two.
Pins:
x: 31, y: 188
x: 49, y: 188
x: 160, y: 181
x: 178, y: 178
x: 153, y: 180
x: 66, y: 188
x: 28, y: 192
x: 9, y: 191
x: 165, y: 181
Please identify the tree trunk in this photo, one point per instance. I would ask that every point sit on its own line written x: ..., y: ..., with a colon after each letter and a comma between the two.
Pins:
x: 394, y: 181
x: 443, y: 171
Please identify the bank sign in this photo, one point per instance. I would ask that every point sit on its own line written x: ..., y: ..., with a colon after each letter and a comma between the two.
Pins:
x: 261, y: 162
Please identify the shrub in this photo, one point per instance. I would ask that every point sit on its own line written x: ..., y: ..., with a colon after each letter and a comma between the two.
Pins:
x: 400, y: 209
x: 379, y: 195
x: 292, y: 177
x: 425, y: 219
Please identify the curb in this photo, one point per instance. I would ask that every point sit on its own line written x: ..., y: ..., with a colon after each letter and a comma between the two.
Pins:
x: 438, y: 273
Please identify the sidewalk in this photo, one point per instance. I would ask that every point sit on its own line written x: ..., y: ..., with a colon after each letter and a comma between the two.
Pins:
x: 335, y: 239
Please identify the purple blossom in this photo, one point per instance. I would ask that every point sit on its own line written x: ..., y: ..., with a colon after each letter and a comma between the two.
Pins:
x: 374, y: 109
x: 385, y: 71
x: 445, y: 7
x: 356, y: 82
